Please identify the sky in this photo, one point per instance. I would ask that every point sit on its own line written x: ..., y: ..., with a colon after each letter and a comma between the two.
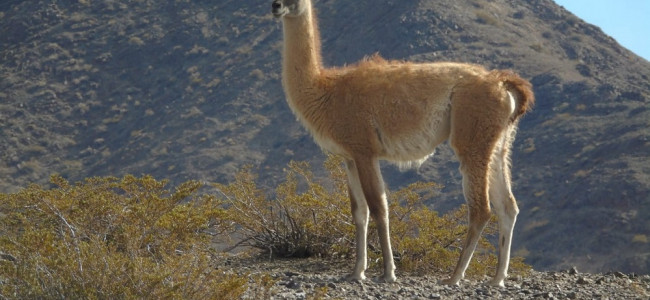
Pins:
x: 627, y: 21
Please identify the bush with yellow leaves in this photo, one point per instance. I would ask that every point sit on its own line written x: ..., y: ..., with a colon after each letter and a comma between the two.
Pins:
x: 111, y: 238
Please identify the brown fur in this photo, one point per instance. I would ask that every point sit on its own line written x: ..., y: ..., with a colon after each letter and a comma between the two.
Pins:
x: 400, y: 111
x: 523, y: 88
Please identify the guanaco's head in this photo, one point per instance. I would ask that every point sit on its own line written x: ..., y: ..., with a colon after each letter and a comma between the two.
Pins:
x: 292, y: 8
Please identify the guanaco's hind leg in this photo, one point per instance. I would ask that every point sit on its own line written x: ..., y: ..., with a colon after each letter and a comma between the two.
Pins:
x: 475, y: 190
x: 503, y: 203
x: 478, y: 123
x: 360, y: 214
x: 372, y: 185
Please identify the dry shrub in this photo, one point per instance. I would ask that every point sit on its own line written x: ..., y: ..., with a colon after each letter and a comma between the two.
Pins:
x: 311, y: 218
x: 111, y: 238
x: 305, y: 218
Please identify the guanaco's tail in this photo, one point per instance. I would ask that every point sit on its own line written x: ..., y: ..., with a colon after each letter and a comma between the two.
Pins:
x: 521, y: 89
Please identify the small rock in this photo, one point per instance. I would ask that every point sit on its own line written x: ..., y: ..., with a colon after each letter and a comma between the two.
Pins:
x: 293, y: 285
x: 291, y: 274
x: 573, y: 271
x: 483, y: 292
x: 583, y: 280
x: 301, y: 295
x: 363, y: 286
x: 434, y: 296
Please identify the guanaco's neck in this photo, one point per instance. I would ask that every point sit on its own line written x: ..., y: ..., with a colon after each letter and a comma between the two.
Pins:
x: 302, y: 63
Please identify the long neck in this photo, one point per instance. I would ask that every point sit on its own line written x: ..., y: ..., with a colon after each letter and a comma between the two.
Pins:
x: 302, y: 63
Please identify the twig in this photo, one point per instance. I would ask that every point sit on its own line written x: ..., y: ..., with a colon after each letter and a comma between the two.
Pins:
x: 238, y: 244
x: 72, y: 232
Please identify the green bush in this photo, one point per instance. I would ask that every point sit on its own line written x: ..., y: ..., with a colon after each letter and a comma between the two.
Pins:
x: 111, y: 238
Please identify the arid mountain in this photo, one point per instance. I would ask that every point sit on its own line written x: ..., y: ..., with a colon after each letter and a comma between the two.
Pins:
x: 190, y: 89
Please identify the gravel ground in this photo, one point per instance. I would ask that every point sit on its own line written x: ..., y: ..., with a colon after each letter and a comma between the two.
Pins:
x: 323, y: 279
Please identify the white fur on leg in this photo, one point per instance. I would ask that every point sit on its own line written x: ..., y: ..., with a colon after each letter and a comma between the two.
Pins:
x: 361, y: 221
x: 505, y: 207
x: 505, y: 241
x: 360, y: 217
x: 373, y: 184
x: 476, y: 225
x: 384, y: 238
x: 507, y: 215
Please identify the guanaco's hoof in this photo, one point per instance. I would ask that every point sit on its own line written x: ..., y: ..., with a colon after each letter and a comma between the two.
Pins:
x: 355, y: 277
x: 449, y: 281
x: 495, y: 282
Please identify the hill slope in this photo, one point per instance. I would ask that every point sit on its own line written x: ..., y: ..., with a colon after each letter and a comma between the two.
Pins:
x: 191, y: 90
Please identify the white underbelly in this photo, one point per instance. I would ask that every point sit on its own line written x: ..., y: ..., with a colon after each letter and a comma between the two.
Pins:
x: 411, y: 150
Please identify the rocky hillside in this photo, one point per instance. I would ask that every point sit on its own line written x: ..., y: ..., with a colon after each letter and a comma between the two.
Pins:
x: 190, y: 89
